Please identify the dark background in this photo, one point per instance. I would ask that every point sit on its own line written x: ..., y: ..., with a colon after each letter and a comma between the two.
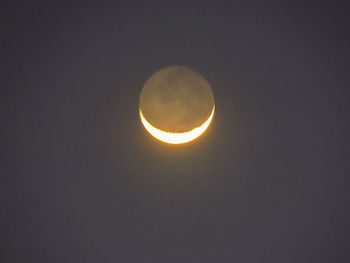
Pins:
x: 81, y: 180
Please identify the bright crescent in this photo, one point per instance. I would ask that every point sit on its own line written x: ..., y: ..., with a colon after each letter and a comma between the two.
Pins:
x: 174, y: 137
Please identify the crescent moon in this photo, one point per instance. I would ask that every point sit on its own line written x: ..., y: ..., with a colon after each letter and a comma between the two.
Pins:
x: 176, y: 137
x: 176, y: 105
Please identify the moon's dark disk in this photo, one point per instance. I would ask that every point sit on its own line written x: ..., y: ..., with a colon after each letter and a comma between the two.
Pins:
x: 176, y: 99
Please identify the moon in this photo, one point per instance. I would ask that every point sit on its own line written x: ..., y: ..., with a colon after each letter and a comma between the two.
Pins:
x: 176, y: 105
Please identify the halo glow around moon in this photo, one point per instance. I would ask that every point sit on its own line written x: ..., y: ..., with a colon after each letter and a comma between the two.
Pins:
x: 176, y: 105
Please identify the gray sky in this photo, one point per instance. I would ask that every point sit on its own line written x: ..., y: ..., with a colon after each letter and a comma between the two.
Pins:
x: 83, y: 182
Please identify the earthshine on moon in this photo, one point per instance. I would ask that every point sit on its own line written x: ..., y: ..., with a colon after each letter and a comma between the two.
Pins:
x: 176, y: 105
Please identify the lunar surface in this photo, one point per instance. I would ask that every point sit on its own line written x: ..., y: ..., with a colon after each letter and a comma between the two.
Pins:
x: 176, y: 104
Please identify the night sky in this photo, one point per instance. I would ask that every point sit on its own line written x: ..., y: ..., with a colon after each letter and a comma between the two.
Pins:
x: 82, y: 181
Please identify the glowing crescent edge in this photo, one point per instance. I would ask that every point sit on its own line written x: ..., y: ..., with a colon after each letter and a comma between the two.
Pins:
x: 174, y: 137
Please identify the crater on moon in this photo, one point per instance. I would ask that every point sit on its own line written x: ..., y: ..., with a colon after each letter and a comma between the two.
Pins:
x: 176, y: 99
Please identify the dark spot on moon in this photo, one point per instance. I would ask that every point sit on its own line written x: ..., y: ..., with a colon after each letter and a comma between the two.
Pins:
x: 176, y: 99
